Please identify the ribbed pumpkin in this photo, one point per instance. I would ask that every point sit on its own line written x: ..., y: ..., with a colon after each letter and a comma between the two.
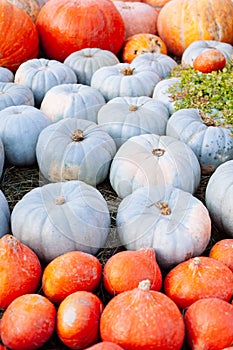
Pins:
x: 6, y: 75
x: 31, y: 7
x: 223, y: 251
x: 66, y: 26
x: 12, y: 94
x: 181, y: 22
x: 19, y: 39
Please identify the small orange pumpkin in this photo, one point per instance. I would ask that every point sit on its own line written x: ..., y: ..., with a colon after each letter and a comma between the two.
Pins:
x: 209, y: 60
x: 20, y: 270
x: 198, y: 278
x: 70, y: 272
x: 124, y: 270
x: 223, y: 251
x: 141, y: 43
x: 105, y: 345
x: 28, y: 322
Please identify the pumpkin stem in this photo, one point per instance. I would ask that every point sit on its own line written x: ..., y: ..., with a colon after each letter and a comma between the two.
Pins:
x: 144, y: 285
x: 133, y: 108
x: 127, y: 71
x: 78, y: 135
x: 59, y: 200
x: 207, y: 120
x: 158, y: 152
x: 164, y: 208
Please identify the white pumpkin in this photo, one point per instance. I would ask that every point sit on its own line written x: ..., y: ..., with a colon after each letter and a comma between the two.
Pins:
x: 75, y: 149
x: 219, y: 197
x: 161, y: 91
x: 6, y: 75
x: 4, y: 215
x: 151, y: 159
x: 172, y: 221
x: 40, y: 75
x: 72, y: 100
x: 61, y: 217
x: 124, y: 117
x: 12, y: 94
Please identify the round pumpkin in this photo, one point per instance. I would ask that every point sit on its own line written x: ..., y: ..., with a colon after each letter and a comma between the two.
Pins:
x: 70, y: 272
x: 72, y: 214
x: 124, y: 270
x: 20, y: 270
x: 6, y: 75
x: 78, y: 318
x: 28, y: 322
x: 142, y: 319
x: 66, y: 26
x: 161, y: 91
x: 19, y: 39
x: 223, y: 251
x: 157, y: 4
x: 31, y: 7
x: 181, y: 22
x: 197, y: 278
x: 12, y: 94
x: 105, y: 345
x: 208, y: 324
x: 209, y: 61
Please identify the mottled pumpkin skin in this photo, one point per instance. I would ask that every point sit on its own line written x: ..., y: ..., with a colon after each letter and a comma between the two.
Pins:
x: 223, y: 251
x: 209, y: 60
x: 181, y: 22
x: 19, y: 39
x: 31, y: 7
x: 66, y: 26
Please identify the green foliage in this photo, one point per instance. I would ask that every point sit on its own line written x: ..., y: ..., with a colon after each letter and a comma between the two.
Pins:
x: 212, y: 93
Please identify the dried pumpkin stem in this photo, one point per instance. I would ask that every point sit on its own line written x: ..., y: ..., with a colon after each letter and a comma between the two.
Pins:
x: 133, y: 108
x: 78, y: 135
x: 127, y: 71
x: 59, y: 200
x: 158, y: 152
x: 164, y: 208
x: 144, y: 285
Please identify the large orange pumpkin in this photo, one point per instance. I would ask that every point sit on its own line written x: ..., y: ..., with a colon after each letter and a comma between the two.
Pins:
x: 31, y: 7
x: 181, y: 22
x: 18, y: 36
x: 66, y: 26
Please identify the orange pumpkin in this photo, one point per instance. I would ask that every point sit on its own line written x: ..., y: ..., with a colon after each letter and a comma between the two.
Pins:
x: 70, y: 272
x: 28, y: 322
x: 209, y: 60
x: 124, y: 270
x: 105, y: 345
x: 78, y: 318
x: 31, y: 7
x: 20, y: 270
x: 223, y: 251
x: 142, y: 319
x: 208, y: 324
x: 181, y: 22
x: 19, y: 39
x: 198, y: 278
x: 66, y: 26
x: 157, y: 4
x: 141, y: 43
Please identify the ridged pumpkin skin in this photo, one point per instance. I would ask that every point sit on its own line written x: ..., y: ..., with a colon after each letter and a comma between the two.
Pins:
x: 124, y: 270
x: 70, y: 272
x: 142, y: 319
x: 198, y: 278
x: 66, y: 26
x: 12, y: 94
x: 6, y: 75
x: 20, y: 270
x: 4, y: 206
x: 223, y: 251
x: 181, y: 22
x: 19, y: 39
x: 31, y: 7
x: 78, y: 318
x: 28, y: 322
x: 208, y: 324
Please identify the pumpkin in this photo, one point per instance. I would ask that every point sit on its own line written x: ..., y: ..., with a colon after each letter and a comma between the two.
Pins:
x: 4, y: 208
x: 28, y: 322
x: 151, y: 159
x: 68, y: 26
x: 161, y: 92
x: 40, y: 75
x: 208, y: 324
x: 70, y: 272
x: 20, y: 140
x: 122, y: 80
x: 181, y: 22
x: 105, y: 345
x: 78, y: 318
x: 158, y: 62
x: 198, y: 278
x: 142, y: 319
x: 171, y: 221
x: 141, y: 43
x: 31, y: 7
x: 200, y: 46
x: 19, y: 39
x: 209, y: 60
x: 84, y: 151
x: 6, y: 75
x: 138, y: 17
x: 219, y: 195
x: 2, y: 163
x: 59, y: 217
x: 72, y: 101
x: 124, y: 117
x: 86, y: 61
x: 157, y: 4
x: 12, y: 94
x: 212, y: 144
x: 222, y: 250
x: 124, y: 270
x: 20, y: 270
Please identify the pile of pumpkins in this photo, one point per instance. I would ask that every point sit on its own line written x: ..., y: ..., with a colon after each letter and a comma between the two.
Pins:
x: 88, y: 102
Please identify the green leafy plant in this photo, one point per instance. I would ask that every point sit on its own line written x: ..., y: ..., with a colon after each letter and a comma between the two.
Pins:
x: 212, y: 93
